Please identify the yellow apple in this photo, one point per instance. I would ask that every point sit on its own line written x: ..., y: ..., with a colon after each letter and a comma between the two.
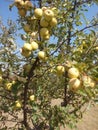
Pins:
x: 18, y: 104
x: 43, y: 22
x: 28, y: 5
x: 32, y: 97
x: 74, y: 84
x: 96, y: 48
x: 34, y: 45
x: 1, y: 78
x: 27, y: 28
x: 17, y: 2
x: 25, y: 52
x: 44, y: 8
x: 44, y: 31
x: 41, y: 55
x: 13, y: 82
x: 34, y: 34
x: 48, y: 14
x: 22, y: 12
x: 38, y: 13
x: 60, y: 69
x: 22, y: 3
x: 73, y: 72
x: 27, y: 47
x: 53, y: 22
x: 46, y: 37
x: 8, y: 86
x: 88, y: 81
x: 92, y: 84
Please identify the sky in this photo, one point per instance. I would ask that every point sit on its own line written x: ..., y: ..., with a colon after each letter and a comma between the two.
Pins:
x: 5, y: 13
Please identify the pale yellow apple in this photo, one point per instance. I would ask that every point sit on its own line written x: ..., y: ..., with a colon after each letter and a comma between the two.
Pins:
x: 73, y: 72
x: 34, y: 35
x: 88, y: 81
x: 53, y: 22
x: 38, y: 12
x: 18, y: 104
x: 44, y: 8
x: 96, y: 48
x: 22, y: 3
x: 44, y: 31
x: 27, y: 46
x: 13, y: 82
x: 32, y: 97
x: 48, y: 14
x: 74, y: 84
x: 22, y: 12
x: 8, y: 86
x: 27, y: 28
x: 92, y: 84
x: 44, y: 23
x: 46, y: 37
x: 28, y: 5
x: 41, y: 55
x: 17, y: 2
x: 25, y: 53
x: 34, y: 45
x: 60, y: 69
x: 1, y: 78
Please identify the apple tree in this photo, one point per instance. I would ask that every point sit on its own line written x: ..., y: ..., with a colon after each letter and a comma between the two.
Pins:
x: 48, y: 81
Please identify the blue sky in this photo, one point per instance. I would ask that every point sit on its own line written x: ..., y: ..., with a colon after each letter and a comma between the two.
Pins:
x: 5, y: 13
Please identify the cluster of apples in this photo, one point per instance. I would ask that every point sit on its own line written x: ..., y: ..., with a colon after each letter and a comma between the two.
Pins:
x: 29, y: 47
x: 47, y: 19
x: 23, y: 6
x: 76, y: 81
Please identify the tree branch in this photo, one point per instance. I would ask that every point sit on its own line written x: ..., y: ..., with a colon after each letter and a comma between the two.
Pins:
x: 62, y: 42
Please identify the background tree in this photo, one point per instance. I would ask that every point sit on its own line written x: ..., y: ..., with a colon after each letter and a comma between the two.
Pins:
x: 59, y: 59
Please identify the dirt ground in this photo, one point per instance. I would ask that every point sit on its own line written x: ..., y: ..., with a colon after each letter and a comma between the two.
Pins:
x: 89, y: 121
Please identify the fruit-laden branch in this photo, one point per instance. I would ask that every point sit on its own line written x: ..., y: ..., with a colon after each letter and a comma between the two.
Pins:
x: 68, y: 50
x: 30, y: 75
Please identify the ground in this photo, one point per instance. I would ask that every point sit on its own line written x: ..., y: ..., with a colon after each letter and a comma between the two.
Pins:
x: 89, y: 121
